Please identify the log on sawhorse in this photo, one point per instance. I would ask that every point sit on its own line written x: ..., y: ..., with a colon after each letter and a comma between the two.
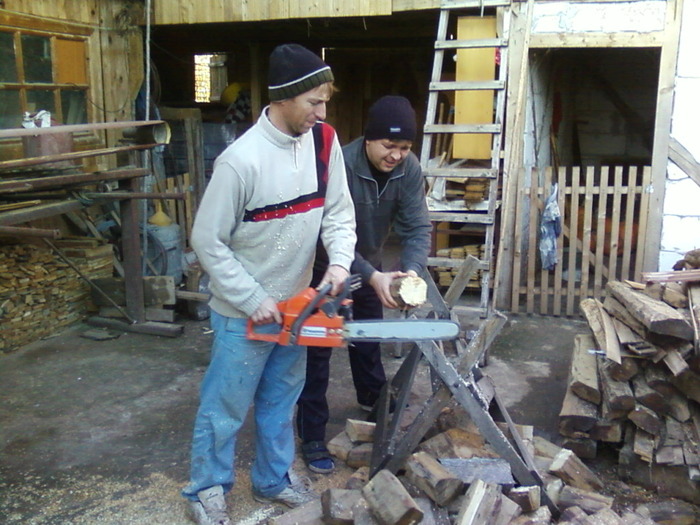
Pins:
x: 449, y: 381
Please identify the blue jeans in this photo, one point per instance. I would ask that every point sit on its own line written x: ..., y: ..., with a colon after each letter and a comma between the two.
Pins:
x: 242, y: 372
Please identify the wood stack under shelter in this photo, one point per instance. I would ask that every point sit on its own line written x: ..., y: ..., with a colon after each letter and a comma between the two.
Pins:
x: 635, y: 383
x: 40, y: 293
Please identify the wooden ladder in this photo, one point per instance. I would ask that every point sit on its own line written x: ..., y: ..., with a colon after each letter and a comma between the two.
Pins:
x: 437, y: 174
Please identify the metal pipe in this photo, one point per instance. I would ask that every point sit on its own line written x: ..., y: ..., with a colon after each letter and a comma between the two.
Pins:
x: 85, y: 278
x: 11, y: 231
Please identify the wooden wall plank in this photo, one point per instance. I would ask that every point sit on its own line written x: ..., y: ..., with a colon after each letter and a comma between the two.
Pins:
x: 627, y: 238
x: 591, y: 39
x: 558, y: 270
x: 587, y: 230
x: 573, y: 210
x: 601, y: 227
x: 532, y: 252
x: 203, y: 11
x: 518, y: 229
x: 662, y: 128
x: 82, y: 11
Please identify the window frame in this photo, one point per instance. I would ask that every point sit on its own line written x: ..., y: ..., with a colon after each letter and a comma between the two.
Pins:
x: 54, y: 32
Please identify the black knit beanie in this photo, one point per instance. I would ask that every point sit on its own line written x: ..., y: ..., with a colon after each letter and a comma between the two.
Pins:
x: 391, y: 117
x: 295, y: 70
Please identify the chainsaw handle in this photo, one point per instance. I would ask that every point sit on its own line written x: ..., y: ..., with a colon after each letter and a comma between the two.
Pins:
x: 260, y: 336
x: 309, y: 309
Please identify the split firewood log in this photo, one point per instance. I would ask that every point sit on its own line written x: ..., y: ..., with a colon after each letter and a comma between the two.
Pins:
x: 409, y: 291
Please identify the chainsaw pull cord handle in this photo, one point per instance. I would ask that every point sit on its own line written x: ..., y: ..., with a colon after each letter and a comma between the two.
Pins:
x: 308, y: 310
x: 332, y: 307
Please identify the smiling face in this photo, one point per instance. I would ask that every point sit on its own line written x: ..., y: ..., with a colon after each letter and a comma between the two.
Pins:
x: 295, y: 116
x: 386, y: 154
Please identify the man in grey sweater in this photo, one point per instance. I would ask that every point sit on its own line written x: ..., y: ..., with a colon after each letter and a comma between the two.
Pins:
x: 273, y: 192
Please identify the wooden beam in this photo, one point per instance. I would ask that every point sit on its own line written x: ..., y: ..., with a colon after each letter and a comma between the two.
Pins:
x: 659, y: 159
x: 593, y: 39
x: 684, y: 159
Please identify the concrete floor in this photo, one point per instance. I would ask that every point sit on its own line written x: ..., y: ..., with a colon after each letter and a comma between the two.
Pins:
x: 99, y: 431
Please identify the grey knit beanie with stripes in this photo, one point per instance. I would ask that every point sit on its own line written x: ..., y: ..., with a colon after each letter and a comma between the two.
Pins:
x: 295, y: 70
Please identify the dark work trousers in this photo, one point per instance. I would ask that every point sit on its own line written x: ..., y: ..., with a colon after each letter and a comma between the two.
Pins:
x: 365, y: 364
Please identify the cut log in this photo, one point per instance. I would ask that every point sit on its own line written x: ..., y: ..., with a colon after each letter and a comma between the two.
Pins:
x: 490, y: 470
x: 409, y: 291
x: 670, y: 456
x: 570, y: 469
x: 426, y: 473
x: 359, y: 456
x: 573, y: 515
x: 644, y: 445
x: 389, y: 501
x: 589, y: 501
x: 432, y: 514
x: 362, y: 514
x: 337, y: 505
x: 360, y: 431
x: 617, y: 310
x: 544, y: 447
x: 576, y: 415
x: 656, y: 316
x: 612, y: 343
x: 584, y: 370
x: 358, y: 479
x: 528, y: 497
x: 672, y: 511
x: 585, y: 448
x: 340, y: 446
x: 484, y: 503
x: 646, y: 419
x: 625, y: 370
x: 689, y: 384
x: 649, y: 397
x: 609, y: 431
x: 542, y: 516
x: 659, y: 379
x: 617, y: 394
x: 670, y: 293
x: 675, y: 362
x: 591, y: 312
x: 308, y: 514
x: 604, y: 517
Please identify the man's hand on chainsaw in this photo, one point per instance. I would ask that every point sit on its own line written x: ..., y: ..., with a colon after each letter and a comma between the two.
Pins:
x: 336, y: 275
x: 267, y: 312
x: 381, y: 282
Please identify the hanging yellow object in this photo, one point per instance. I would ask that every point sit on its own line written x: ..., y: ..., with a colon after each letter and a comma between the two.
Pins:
x: 160, y: 218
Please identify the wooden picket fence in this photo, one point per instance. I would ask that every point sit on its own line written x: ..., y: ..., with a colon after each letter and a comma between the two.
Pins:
x: 609, y: 199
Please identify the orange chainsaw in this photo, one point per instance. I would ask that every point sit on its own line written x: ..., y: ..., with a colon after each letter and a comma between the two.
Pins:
x: 314, y: 318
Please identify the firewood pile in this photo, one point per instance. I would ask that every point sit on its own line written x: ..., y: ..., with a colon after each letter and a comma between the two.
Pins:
x: 455, y: 477
x: 471, y: 191
x: 445, y: 275
x: 40, y: 293
x: 634, y: 383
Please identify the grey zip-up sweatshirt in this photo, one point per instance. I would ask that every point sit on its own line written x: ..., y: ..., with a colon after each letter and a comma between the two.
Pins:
x: 400, y: 205
x: 256, y: 228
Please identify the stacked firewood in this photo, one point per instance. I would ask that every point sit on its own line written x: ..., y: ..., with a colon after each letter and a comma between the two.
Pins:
x: 635, y: 381
x: 471, y: 191
x: 40, y: 292
x: 445, y: 275
x: 456, y: 477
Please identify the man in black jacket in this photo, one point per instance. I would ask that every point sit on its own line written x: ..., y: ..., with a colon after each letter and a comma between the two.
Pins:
x: 388, y: 191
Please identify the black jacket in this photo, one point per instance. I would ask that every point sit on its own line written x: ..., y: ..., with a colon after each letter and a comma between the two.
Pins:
x: 400, y: 205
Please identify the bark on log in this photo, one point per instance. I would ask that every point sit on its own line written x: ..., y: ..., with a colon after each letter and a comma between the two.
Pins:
x: 656, y: 316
